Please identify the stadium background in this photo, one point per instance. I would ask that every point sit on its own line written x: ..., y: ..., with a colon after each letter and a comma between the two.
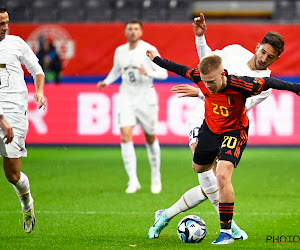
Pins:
x: 86, y: 36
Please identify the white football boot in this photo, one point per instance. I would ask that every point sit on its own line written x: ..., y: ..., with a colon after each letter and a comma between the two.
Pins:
x: 29, y: 219
x: 237, y: 233
x: 133, y: 187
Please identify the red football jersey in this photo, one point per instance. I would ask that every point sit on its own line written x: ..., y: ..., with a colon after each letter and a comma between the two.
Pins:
x: 225, y: 110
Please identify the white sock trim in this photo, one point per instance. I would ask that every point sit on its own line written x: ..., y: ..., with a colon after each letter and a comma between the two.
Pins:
x: 228, y: 231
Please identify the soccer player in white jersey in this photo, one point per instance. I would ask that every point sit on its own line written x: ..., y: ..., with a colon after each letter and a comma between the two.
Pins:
x: 8, y: 133
x: 14, y: 101
x: 238, y: 61
x: 137, y: 102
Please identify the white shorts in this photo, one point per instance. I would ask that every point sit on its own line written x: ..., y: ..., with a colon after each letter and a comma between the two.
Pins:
x: 195, y: 122
x: 16, y: 148
x: 146, y: 116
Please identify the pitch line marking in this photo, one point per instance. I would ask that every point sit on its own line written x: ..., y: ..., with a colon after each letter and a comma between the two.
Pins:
x: 142, y: 213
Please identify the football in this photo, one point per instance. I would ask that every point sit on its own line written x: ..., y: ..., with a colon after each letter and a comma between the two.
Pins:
x: 191, y: 229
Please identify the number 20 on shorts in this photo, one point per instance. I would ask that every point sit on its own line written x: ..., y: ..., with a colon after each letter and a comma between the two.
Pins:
x: 229, y: 142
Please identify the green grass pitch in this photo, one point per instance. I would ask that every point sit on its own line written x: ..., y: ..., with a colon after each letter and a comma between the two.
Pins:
x: 80, y: 201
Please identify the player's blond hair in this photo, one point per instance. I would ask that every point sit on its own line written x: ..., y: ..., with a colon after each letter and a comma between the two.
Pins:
x: 209, y: 64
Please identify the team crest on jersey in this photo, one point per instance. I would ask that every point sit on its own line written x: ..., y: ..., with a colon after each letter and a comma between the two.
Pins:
x: 188, y: 75
x: 261, y: 83
x: 259, y: 80
x: 230, y: 100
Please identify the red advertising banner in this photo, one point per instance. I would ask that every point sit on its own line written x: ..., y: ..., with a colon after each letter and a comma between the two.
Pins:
x: 88, y: 49
x: 79, y: 114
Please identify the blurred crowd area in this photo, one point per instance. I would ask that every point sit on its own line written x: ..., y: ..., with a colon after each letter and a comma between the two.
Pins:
x: 45, y: 11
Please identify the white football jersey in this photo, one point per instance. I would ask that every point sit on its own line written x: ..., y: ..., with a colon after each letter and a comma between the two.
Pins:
x: 13, y: 91
x: 235, y: 59
x: 136, y: 87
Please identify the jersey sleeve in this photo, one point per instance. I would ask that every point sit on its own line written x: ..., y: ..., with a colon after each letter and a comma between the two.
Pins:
x: 115, y: 72
x: 254, y: 100
x: 251, y: 86
x: 184, y: 71
x: 274, y: 83
x: 203, y: 49
x: 246, y: 85
x: 29, y: 59
x: 155, y: 71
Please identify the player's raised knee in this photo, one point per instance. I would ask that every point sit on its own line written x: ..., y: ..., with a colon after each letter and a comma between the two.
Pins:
x: 13, y: 178
x: 198, y: 168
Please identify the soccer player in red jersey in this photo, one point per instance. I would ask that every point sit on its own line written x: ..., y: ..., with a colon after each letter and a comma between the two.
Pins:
x: 224, y: 132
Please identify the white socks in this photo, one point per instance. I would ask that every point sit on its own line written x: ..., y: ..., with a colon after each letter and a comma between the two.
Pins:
x: 188, y: 200
x: 209, y: 185
x: 23, y: 191
x: 129, y: 159
x: 194, y: 196
x: 153, y: 151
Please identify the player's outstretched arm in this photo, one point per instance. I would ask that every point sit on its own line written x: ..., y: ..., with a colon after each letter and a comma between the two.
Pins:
x: 257, y: 99
x: 185, y: 90
x: 152, y: 54
x: 199, y: 28
x: 7, y: 130
x: 274, y: 83
x: 171, y: 66
x: 155, y: 71
x: 114, y: 73
x: 252, y: 86
x: 199, y: 25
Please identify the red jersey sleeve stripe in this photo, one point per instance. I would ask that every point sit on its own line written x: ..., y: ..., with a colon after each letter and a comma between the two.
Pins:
x: 250, y: 85
x: 250, y: 88
x: 242, y: 81
x: 241, y: 86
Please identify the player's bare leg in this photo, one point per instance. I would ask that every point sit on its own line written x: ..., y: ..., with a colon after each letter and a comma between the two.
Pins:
x: 153, y: 150
x: 20, y: 182
x: 226, y: 204
x: 129, y: 159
